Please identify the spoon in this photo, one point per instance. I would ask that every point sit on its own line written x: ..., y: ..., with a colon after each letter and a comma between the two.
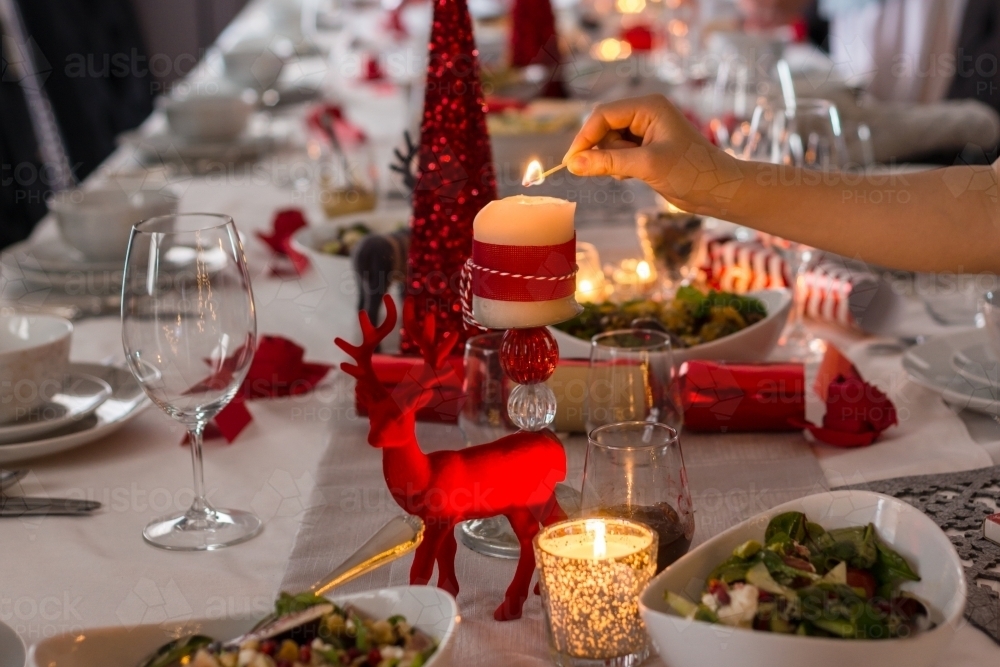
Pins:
x: 398, y: 537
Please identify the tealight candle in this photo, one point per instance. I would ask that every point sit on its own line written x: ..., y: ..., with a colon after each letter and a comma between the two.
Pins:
x: 528, y: 232
x: 590, y: 284
x: 633, y: 278
x: 592, y: 572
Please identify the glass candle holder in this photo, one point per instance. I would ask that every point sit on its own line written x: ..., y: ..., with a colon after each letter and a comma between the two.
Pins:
x: 592, y: 573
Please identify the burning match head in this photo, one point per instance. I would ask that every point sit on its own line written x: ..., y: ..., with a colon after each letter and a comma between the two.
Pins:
x: 533, y: 175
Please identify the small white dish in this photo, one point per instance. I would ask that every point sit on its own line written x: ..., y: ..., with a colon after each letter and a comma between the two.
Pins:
x: 687, y: 643
x: 34, y: 355
x: 754, y: 343
x: 426, y: 607
x: 78, y: 398
x: 977, y: 364
x: 931, y: 365
x: 336, y: 270
x: 12, y: 651
x: 217, y: 118
x: 125, y: 402
x: 98, y: 222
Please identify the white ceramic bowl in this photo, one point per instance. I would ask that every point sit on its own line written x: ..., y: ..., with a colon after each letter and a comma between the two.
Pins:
x: 752, y: 344
x: 253, y: 64
x: 209, y: 118
x: 34, y: 357
x: 97, y: 222
x: 684, y: 643
x: 426, y: 607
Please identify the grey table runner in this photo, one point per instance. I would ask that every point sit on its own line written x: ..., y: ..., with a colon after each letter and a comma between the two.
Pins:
x: 959, y: 502
x: 732, y: 477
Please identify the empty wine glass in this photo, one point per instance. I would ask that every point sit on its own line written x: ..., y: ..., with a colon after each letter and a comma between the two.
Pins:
x: 190, y: 331
x: 809, y: 135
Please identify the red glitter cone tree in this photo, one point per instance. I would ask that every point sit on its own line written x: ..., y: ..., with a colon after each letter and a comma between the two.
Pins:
x: 455, y: 173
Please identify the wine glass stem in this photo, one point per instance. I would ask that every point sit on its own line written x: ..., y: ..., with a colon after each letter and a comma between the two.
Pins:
x: 196, y: 435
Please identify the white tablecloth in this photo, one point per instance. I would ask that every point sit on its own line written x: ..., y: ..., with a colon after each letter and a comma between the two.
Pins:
x: 64, y: 574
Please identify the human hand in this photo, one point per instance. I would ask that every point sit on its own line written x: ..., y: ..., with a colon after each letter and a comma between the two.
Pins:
x: 649, y: 139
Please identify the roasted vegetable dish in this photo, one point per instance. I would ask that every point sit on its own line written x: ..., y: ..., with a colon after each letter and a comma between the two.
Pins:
x: 806, y: 580
x: 313, y: 632
x: 691, y: 318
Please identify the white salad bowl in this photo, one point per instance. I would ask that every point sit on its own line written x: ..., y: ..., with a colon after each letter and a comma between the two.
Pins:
x: 217, y: 118
x: 751, y: 344
x: 688, y: 643
x: 426, y: 607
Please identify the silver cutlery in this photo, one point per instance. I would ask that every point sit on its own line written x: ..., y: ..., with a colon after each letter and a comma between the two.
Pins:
x: 20, y: 506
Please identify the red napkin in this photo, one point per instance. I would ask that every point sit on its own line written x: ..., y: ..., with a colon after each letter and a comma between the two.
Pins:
x: 373, y: 70
x: 497, y: 104
x: 347, y: 133
x: 285, y: 224
x: 772, y: 397
x: 393, y: 370
x: 639, y: 37
x: 277, y: 370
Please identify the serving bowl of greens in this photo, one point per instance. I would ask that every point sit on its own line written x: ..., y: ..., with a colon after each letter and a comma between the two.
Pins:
x: 406, y: 626
x: 713, y: 325
x: 833, y: 579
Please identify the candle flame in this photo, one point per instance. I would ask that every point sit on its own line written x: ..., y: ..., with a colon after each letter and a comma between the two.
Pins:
x: 534, y: 174
x: 597, y: 528
x: 643, y: 271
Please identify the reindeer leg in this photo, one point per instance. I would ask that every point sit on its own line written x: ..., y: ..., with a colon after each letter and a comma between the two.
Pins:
x: 447, y: 580
x: 525, y: 526
x: 423, y: 560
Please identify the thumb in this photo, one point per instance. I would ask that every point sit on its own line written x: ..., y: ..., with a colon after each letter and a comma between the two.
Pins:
x: 606, y: 162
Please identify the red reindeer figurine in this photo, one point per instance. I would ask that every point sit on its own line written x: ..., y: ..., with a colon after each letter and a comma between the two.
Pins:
x: 514, y: 476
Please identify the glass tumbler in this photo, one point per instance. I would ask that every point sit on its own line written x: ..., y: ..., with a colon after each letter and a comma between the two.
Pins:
x: 635, y: 470
x: 632, y: 378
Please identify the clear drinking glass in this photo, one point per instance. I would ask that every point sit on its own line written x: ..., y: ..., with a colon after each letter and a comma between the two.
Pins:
x: 484, y: 419
x: 190, y: 331
x: 635, y: 470
x: 669, y: 239
x: 632, y: 378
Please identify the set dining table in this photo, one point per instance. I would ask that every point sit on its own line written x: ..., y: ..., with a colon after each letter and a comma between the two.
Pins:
x: 304, y: 467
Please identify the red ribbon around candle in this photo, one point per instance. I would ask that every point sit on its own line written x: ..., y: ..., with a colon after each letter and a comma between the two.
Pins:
x: 523, y: 273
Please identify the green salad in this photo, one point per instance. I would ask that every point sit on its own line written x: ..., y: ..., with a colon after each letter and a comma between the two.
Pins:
x: 805, y: 580
x: 692, y: 317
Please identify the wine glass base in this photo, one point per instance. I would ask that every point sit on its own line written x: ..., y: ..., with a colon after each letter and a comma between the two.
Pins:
x: 490, y: 537
x: 202, y: 531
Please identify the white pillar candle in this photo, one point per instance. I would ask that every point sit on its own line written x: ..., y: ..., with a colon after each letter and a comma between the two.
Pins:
x: 524, y: 221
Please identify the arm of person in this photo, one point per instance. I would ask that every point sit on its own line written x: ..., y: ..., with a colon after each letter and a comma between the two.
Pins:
x: 938, y: 220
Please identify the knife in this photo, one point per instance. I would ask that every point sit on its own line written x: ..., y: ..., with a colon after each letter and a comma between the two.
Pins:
x: 16, y: 506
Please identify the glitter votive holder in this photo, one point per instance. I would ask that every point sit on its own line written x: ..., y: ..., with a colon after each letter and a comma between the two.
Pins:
x: 592, y: 573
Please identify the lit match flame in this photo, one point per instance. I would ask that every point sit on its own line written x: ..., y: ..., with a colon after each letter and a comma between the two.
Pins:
x: 534, y: 174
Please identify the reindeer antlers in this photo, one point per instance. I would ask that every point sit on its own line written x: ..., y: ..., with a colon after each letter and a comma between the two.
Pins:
x: 371, y: 336
x: 432, y: 350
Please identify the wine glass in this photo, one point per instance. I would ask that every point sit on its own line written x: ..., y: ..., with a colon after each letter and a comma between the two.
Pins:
x: 808, y: 134
x: 632, y: 378
x: 741, y: 85
x: 189, y: 330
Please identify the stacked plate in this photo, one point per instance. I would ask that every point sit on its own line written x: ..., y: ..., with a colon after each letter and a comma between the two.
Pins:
x: 961, y: 367
x: 94, y: 401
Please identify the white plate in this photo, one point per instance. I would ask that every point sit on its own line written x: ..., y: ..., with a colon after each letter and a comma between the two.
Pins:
x: 977, y: 364
x: 754, y: 343
x: 168, y: 148
x: 126, y: 401
x: 12, y: 652
x: 56, y: 256
x: 79, y: 397
x: 425, y: 607
x: 684, y: 643
x: 930, y: 365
